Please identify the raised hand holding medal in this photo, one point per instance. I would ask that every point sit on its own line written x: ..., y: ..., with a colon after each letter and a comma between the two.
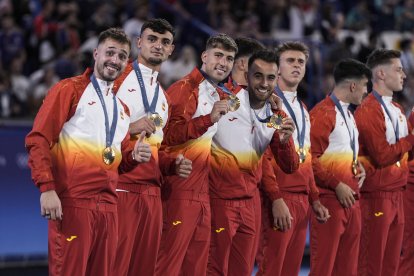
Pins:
x: 279, y: 121
x: 233, y: 101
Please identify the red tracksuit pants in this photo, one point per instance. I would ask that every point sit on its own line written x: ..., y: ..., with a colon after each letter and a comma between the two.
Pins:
x: 382, y: 233
x: 282, y: 252
x: 258, y: 217
x: 185, y: 236
x: 233, y: 228
x: 139, y: 231
x: 335, y: 244
x: 84, y: 241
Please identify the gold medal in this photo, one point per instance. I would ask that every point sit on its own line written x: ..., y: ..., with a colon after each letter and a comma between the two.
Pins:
x: 398, y: 164
x: 302, y: 155
x: 275, y: 121
x: 233, y: 102
x: 355, y: 167
x: 157, y: 119
x: 108, y: 155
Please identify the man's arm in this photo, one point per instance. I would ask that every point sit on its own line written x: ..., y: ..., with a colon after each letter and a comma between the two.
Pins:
x: 283, y: 147
x: 181, y: 125
x: 282, y: 219
x: 58, y: 106
x: 322, y: 126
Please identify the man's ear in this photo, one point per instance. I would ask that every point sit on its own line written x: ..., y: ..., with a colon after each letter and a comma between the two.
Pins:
x: 380, y: 73
x: 352, y: 86
x: 204, y: 56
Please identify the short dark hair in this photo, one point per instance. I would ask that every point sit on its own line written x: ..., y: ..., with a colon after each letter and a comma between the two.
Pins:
x: 222, y: 41
x: 247, y: 46
x: 265, y: 55
x: 292, y: 46
x: 158, y: 25
x: 350, y: 69
x: 116, y: 34
x: 381, y: 57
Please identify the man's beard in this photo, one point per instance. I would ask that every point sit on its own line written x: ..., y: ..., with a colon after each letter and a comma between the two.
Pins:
x: 155, y: 61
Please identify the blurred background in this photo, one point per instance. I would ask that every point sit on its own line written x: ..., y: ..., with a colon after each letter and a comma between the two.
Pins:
x: 44, y: 41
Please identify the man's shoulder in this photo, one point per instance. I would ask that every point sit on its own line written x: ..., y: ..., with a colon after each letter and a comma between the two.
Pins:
x: 73, y: 86
x: 368, y: 105
x: 188, y: 83
x: 324, y: 106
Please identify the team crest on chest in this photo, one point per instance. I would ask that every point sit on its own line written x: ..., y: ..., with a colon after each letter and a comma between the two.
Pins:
x: 163, y: 106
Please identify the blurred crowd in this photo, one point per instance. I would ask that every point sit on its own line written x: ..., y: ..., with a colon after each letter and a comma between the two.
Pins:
x: 44, y: 41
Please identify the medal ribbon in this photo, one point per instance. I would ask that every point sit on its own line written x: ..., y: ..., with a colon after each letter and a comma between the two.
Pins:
x: 110, y: 133
x: 148, y: 108
x: 268, y: 115
x: 300, y: 134
x: 381, y: 101
x: 352, y: 137
x: 233, y: 82
x: 220, y: 85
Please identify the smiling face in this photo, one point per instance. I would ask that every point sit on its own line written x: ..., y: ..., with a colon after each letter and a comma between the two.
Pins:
x: 217, y: 63
x: 261, y: 78
x: 292, y: 67
x: 154, y: 48
x: 111, y: 57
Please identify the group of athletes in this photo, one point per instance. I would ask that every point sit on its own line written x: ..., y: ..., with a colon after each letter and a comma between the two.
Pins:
x: 226, y: 167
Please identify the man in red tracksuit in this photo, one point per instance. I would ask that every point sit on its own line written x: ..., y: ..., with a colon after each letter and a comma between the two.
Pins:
x: 385, y: 141
x: 78, y: 142
x: 236, y: 81
x: 139, y: 190
x: 406, y: 266
x: 195, y: 110
x: 236, y: 167
x: 334, y: 139
x: 286, y: 198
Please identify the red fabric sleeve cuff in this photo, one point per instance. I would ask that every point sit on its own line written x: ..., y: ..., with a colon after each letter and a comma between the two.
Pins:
x: 207, y: 120
x: 313, y: 197
x: 333, y: 183
x: 47, y: 186
x: 274, y: 195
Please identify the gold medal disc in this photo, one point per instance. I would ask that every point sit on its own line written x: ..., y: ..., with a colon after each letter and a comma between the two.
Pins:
x: 275, y: 121
x: 355, y: 167
x: 157, y: 119
x: 233, y: 102
x: 302, y: 155
x: 108, y: 155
